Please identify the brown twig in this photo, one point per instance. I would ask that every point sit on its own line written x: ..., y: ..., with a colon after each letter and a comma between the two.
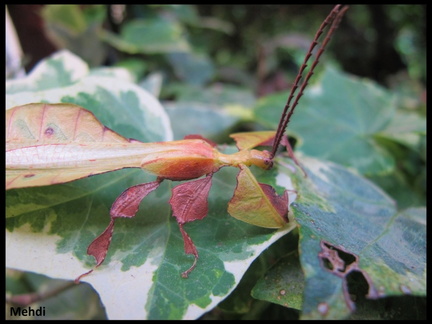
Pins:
x: 25, y: 300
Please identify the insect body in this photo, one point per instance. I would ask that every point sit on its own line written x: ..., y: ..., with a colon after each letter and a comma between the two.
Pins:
x: 52, y: 151
x: 48, y: 144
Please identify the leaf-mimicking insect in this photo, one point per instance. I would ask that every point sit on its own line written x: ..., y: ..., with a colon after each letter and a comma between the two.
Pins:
x: 63, y: 131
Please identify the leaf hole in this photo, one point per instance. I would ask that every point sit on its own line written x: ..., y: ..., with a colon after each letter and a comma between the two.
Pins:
x: 346, y: 257
x: 358, y: 287
x: 335, y: 259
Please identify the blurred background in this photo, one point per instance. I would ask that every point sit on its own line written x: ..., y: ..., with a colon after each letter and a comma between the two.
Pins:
x: 231, y: 43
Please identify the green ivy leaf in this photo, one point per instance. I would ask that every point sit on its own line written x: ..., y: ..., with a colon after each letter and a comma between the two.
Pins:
x: 349, y: 225
x: 149, y: 36
x: 283, y: 284
x: 206, y: 120
x: 405, y: 128
x: 209, y: 111
x: 192, y: 68
x: 337, y: 120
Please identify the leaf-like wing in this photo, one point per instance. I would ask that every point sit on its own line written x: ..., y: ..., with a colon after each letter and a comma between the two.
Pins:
x: 55, y: 143
x: 189, y: 202
x: 50, y: 144
x: 250, y: 140
x: 256, y: 203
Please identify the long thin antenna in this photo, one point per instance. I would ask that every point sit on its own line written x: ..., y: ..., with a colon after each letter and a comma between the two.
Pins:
x: 333, y: 18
